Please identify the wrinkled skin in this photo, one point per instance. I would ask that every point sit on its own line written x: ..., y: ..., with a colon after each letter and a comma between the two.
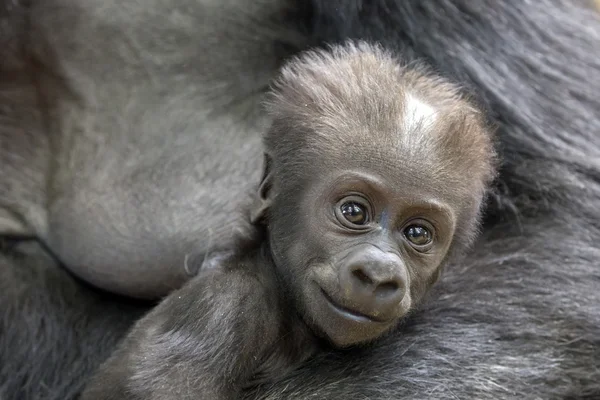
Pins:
x: 118, y: 125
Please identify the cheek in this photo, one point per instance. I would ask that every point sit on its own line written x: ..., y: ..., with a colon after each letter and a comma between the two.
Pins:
x: 292, y: 247
x: 302, y: 239
x: 300, y: 233
x: 300, y: 251
x: 423, y: 275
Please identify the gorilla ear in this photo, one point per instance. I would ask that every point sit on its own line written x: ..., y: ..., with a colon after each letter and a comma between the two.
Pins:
x: 263, y: 199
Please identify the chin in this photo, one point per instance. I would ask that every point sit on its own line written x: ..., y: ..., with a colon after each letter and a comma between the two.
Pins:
x: 340, y: 326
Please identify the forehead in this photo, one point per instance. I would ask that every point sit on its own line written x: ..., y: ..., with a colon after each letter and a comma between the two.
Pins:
x: 418, y: 145
x: 357, y: 107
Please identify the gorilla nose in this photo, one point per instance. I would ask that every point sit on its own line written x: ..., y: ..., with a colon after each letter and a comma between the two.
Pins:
x: 374, y: 283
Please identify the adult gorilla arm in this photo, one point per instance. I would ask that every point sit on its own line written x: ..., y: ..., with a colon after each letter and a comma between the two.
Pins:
x: 517, y: 319
x: 125, y: 119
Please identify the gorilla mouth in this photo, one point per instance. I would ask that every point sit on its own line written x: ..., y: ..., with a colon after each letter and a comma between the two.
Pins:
x: 348, y: 313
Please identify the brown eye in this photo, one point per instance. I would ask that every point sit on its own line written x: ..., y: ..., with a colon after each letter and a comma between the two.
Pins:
x: 418, y: 235
x: 355, y: 213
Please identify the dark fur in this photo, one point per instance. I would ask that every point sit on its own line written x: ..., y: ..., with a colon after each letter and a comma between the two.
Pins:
x: 518, y: 319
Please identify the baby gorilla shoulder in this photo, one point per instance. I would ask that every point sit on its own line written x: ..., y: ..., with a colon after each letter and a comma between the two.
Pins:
x: 210, y: 339
x: 375, y: 173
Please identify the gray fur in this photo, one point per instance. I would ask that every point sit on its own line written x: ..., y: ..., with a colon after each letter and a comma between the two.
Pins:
x: 518, y: 319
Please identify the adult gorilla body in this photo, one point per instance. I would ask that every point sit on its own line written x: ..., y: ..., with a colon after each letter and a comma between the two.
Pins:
x: 135, y: 100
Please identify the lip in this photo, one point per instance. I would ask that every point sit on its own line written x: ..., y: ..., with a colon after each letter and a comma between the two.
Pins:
x: 347, y: 313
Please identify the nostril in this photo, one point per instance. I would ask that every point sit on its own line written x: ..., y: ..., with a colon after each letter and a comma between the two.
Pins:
x: 387, y: 289
x: 361, y: 276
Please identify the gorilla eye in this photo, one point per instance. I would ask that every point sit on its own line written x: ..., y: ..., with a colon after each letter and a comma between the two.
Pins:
x: 355, y: 213
x: 418, y: 235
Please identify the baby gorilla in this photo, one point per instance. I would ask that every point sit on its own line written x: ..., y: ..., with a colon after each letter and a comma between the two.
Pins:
x: 375, y: 173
